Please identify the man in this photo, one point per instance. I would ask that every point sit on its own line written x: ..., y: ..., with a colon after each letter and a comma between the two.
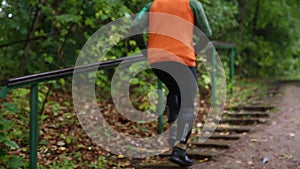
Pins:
x: 170, y: 52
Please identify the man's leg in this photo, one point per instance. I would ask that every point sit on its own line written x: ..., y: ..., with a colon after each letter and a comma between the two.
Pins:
x: 173, y: 110
x: 184, y: 80
x: 186, y: 118
x: 185, y: 121
x: 173, y: 101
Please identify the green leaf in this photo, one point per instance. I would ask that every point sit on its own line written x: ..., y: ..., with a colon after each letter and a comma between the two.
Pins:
x: 5, y: 124
x: 66, y: 18
x: 3, y: 137
x: 135, y: 81
x: 49, y: 59
x: 63, y: 32
x: 68, y: 140
x: 206, y: 79
x: 15, y: 162
x: 13, y: 145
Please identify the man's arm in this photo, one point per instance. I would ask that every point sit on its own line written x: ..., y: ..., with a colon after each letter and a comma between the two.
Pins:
x: 200, y: 17
x: 139, y: 24
x: 201, y: 23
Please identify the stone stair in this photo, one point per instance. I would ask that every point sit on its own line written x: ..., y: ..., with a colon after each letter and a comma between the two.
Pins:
x: 236, y: 122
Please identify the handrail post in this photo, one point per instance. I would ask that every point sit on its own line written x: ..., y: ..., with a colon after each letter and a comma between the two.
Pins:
x: 33, y: 126
x: 160, y: 107
x: 213, y: 78
x: 232, y: 56
x: 3, y: 92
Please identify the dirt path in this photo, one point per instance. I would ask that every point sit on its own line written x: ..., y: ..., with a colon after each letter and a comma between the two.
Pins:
x: 277, y: 142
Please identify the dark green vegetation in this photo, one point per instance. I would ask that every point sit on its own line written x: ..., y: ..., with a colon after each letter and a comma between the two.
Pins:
x: 43, y: 35
x: 39, y: 35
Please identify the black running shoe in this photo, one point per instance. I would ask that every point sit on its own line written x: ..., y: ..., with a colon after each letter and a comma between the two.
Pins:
x: 180, y: 157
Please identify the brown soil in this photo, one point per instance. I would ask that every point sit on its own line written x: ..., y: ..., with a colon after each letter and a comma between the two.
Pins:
x: 277, y: 142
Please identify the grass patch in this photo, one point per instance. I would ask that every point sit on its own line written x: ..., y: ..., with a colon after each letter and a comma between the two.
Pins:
x: 248, y: 92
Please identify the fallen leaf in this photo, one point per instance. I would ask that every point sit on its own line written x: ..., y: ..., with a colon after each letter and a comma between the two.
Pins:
x: 204, y: 160
x: 121, y: 156
x: 239, y: 162
x: 285, y: 156
x: 61, y: 143
x: 62, y: 148
x: 254, y: 140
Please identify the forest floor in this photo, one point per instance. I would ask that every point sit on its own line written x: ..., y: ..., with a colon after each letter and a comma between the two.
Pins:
x: 275, y: 145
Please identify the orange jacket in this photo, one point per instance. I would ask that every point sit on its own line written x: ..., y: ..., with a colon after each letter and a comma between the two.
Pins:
x: 171, y: 32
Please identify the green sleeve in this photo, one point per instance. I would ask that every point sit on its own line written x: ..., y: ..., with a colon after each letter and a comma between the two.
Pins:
x: 200, y: 17
x: 139, y: 23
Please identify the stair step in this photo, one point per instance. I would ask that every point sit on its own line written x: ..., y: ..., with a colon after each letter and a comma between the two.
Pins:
x: 201, y: 154
x: 194, y: 154
x: 165, y: 165
x: 224, y: 137
x: 250, y: 108
x: 243, y: 121
x: 233, y: 129
x: 212, y: 144
x: 219, y: 137
x: 247, y: 114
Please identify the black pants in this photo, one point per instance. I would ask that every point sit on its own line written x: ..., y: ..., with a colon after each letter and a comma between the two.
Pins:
x: 182, y: 85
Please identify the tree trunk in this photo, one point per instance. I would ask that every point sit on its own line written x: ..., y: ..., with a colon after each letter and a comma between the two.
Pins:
x: 30, y: 36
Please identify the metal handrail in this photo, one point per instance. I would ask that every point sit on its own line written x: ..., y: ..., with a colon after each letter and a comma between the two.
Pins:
x: 57, y: 74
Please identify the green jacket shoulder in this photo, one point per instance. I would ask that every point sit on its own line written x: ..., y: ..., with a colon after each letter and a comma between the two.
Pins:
x: 200, y: 18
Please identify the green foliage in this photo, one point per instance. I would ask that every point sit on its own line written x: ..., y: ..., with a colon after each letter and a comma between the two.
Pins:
x: 65, y: 164
x: 221, y: 17
x: 100, y: 163
x: 6, y: 142
x: 248, y: 91
x: 46, y: 35
x: 14, y: 115
x: 38, y: 36
x: 266, y: 33
x: 142, y: 88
